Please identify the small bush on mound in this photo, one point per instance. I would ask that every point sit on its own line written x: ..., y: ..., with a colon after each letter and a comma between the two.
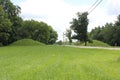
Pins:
x: 27, y: 42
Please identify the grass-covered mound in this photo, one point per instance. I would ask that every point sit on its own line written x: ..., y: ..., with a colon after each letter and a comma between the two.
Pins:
x: 95, y: 43
x: 98, y: 43
x: 27, y: 42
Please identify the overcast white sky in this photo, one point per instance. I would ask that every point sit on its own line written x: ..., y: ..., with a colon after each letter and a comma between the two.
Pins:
x: 59, y: 13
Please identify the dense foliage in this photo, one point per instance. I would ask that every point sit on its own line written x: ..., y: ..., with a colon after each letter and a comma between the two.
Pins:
x: 39, y: 31
x: 110, y: 33
x: 13, y: 28
x: 5, y: 27
x: 12, y: 12
x: 79, y: 26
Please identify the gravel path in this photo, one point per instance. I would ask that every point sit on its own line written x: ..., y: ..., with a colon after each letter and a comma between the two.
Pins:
x: 108, y: 48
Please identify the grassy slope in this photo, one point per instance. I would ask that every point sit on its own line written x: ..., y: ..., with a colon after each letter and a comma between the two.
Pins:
x: 58, y: 63
x: 97, y: 43
x: 26, y: 42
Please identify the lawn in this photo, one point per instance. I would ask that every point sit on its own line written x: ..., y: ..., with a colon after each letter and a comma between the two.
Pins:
x: 58, y: 63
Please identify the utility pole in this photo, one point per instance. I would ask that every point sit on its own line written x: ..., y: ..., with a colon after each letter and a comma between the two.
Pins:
x: 63, y: 38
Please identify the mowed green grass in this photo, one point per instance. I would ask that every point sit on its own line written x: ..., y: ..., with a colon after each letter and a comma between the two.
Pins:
x: 58, y: 63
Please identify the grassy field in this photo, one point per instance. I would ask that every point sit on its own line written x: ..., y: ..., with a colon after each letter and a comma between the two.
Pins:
x: 58, y: 63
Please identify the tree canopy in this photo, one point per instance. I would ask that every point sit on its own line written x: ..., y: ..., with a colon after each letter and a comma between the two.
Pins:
x: 5, y: 27
x: 13, y: 12
x: 39, y: 31
x: 79, y: 26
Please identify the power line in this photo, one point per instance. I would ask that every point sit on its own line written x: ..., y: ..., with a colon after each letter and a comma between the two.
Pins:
x: 92, y: 5
x: 95, y: 6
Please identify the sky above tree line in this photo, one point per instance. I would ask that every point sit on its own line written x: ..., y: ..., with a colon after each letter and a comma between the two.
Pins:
x: 59, y: 13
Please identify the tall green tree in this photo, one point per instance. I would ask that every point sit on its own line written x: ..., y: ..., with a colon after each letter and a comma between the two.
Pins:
x: 13, y: 12
x: 5, y: 27
x: 79, y: 25
x: 108, y: 34
x: 117, y: 31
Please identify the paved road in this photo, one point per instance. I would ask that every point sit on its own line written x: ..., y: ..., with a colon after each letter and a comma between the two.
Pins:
x: 108, y: 48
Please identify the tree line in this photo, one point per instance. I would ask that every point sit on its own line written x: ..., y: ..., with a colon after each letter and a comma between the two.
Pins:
x: 109, y: 33
x: 13, y: 27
